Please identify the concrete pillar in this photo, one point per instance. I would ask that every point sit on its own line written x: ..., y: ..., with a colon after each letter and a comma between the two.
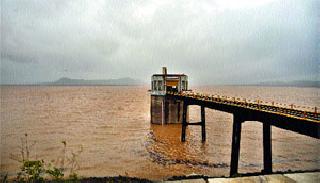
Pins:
x: 203, y: 124
x: 235, y: 150
x: 267, y: 148
x: 184, y: 122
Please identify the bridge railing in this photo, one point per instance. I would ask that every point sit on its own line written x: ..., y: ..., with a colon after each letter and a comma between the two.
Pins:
x: 291, y: 109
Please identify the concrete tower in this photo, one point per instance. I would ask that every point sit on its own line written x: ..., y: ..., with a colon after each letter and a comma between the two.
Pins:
x: 165, y: 109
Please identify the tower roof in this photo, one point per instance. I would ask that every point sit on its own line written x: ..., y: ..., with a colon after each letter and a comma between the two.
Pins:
x: 169, y: 75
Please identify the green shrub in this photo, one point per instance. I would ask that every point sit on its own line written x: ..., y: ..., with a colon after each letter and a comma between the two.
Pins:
x: 56, y: 173
x: 37, y: 170
x: 31, y: 171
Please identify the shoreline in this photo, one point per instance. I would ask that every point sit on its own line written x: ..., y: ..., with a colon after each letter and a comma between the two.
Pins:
x: 183, y: 178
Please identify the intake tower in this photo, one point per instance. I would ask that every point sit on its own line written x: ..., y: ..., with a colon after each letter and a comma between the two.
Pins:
x: 164, y: 108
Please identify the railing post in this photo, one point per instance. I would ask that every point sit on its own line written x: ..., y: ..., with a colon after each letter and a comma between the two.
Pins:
x: 184, y: 122
x: 235, y: 150
x: 203, y: 124
x: 267, y: 148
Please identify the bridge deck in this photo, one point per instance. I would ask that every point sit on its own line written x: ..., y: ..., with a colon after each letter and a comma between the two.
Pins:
x: 234, y: 104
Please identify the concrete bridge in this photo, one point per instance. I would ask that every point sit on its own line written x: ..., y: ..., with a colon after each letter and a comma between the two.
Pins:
x: 302, y: 122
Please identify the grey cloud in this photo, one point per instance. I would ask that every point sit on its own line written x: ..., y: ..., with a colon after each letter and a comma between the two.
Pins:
x: 18, y: 58
x: 109, y: 39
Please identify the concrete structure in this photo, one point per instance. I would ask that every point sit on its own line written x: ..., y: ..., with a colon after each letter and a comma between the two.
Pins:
x: 286, y: 178
x: 312, y: 177
x: 166, y: 109
x: 303, y: 122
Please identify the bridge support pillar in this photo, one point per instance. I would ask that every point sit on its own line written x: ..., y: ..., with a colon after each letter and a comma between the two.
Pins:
x: 184, y: 122
x: 235, y: 151
x: 267, y: 148
x: 203, y: 124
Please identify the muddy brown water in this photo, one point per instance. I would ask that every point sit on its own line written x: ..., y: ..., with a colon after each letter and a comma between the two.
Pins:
x: 112, y: 127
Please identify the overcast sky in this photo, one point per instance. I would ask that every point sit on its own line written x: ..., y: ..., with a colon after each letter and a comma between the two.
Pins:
x: 213, y: 41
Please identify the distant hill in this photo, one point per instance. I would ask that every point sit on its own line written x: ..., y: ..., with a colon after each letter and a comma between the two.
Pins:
x: 82, y: 82
x: 301, y: 83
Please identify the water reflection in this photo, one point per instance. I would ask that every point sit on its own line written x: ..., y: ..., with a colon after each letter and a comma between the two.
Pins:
x: 164, y: 147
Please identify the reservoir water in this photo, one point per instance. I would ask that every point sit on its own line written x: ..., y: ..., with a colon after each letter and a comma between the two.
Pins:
x: 108, y: 129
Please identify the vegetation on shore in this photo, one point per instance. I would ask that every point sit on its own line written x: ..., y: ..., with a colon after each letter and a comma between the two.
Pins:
x: 35, y: 170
